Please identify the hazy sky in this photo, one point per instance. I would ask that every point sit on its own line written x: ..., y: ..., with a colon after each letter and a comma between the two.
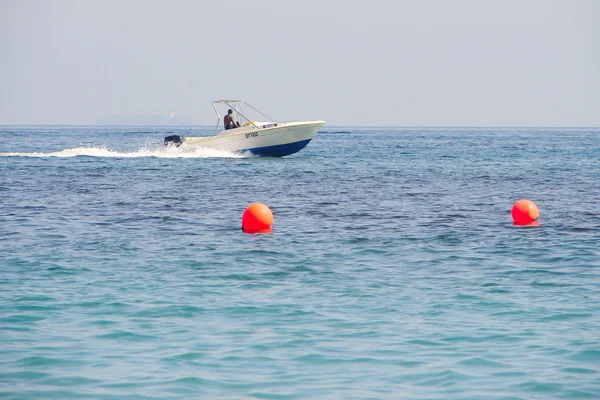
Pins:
x: 402, y: 63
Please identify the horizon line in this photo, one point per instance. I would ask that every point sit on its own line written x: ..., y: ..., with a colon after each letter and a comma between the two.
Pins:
x: 335, y: 126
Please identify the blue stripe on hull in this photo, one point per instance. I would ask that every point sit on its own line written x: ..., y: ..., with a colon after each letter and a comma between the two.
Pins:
x: 279, y: 150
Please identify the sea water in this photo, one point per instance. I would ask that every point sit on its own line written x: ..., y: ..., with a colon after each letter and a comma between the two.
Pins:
x: 393, y: 271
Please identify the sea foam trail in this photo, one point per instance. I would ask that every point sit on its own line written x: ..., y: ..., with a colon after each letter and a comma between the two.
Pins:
x: 162, y: 152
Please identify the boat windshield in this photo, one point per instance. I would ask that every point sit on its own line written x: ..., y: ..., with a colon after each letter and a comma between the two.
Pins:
x: 239, y: 111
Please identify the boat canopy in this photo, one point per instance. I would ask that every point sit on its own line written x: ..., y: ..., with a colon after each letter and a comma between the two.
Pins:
x: 238, y: 111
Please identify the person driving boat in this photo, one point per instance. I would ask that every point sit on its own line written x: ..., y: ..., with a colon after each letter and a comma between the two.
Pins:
x: 228, y: 121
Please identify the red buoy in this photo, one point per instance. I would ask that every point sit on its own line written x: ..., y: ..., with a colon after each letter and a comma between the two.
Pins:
x: 257, y: 218
x: 525, y: 212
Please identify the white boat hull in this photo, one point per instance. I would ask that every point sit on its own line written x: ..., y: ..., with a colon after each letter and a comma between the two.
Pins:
x: 265, y: 139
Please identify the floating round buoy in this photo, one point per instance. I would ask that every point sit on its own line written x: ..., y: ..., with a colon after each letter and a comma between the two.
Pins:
x: 525, y: 212
x: 257, y: 219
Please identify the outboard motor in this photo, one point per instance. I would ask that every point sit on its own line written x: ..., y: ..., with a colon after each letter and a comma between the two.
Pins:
x: 173, y: 140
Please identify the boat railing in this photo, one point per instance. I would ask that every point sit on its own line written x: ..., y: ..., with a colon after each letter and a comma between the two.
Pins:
x: 237, y: 107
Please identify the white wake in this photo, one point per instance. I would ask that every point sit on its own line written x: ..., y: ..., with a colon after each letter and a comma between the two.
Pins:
x: 160, y: 152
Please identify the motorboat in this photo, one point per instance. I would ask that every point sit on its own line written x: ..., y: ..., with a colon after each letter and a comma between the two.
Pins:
x: 261, y: 136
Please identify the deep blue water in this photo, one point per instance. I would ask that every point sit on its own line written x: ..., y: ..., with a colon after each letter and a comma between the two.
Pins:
x: 393, y: 270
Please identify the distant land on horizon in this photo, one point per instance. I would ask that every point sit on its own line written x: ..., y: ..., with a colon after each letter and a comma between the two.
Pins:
x: 128, y: 119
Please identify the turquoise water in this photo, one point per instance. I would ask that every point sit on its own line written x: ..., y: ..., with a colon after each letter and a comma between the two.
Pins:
x: 393, y: 270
